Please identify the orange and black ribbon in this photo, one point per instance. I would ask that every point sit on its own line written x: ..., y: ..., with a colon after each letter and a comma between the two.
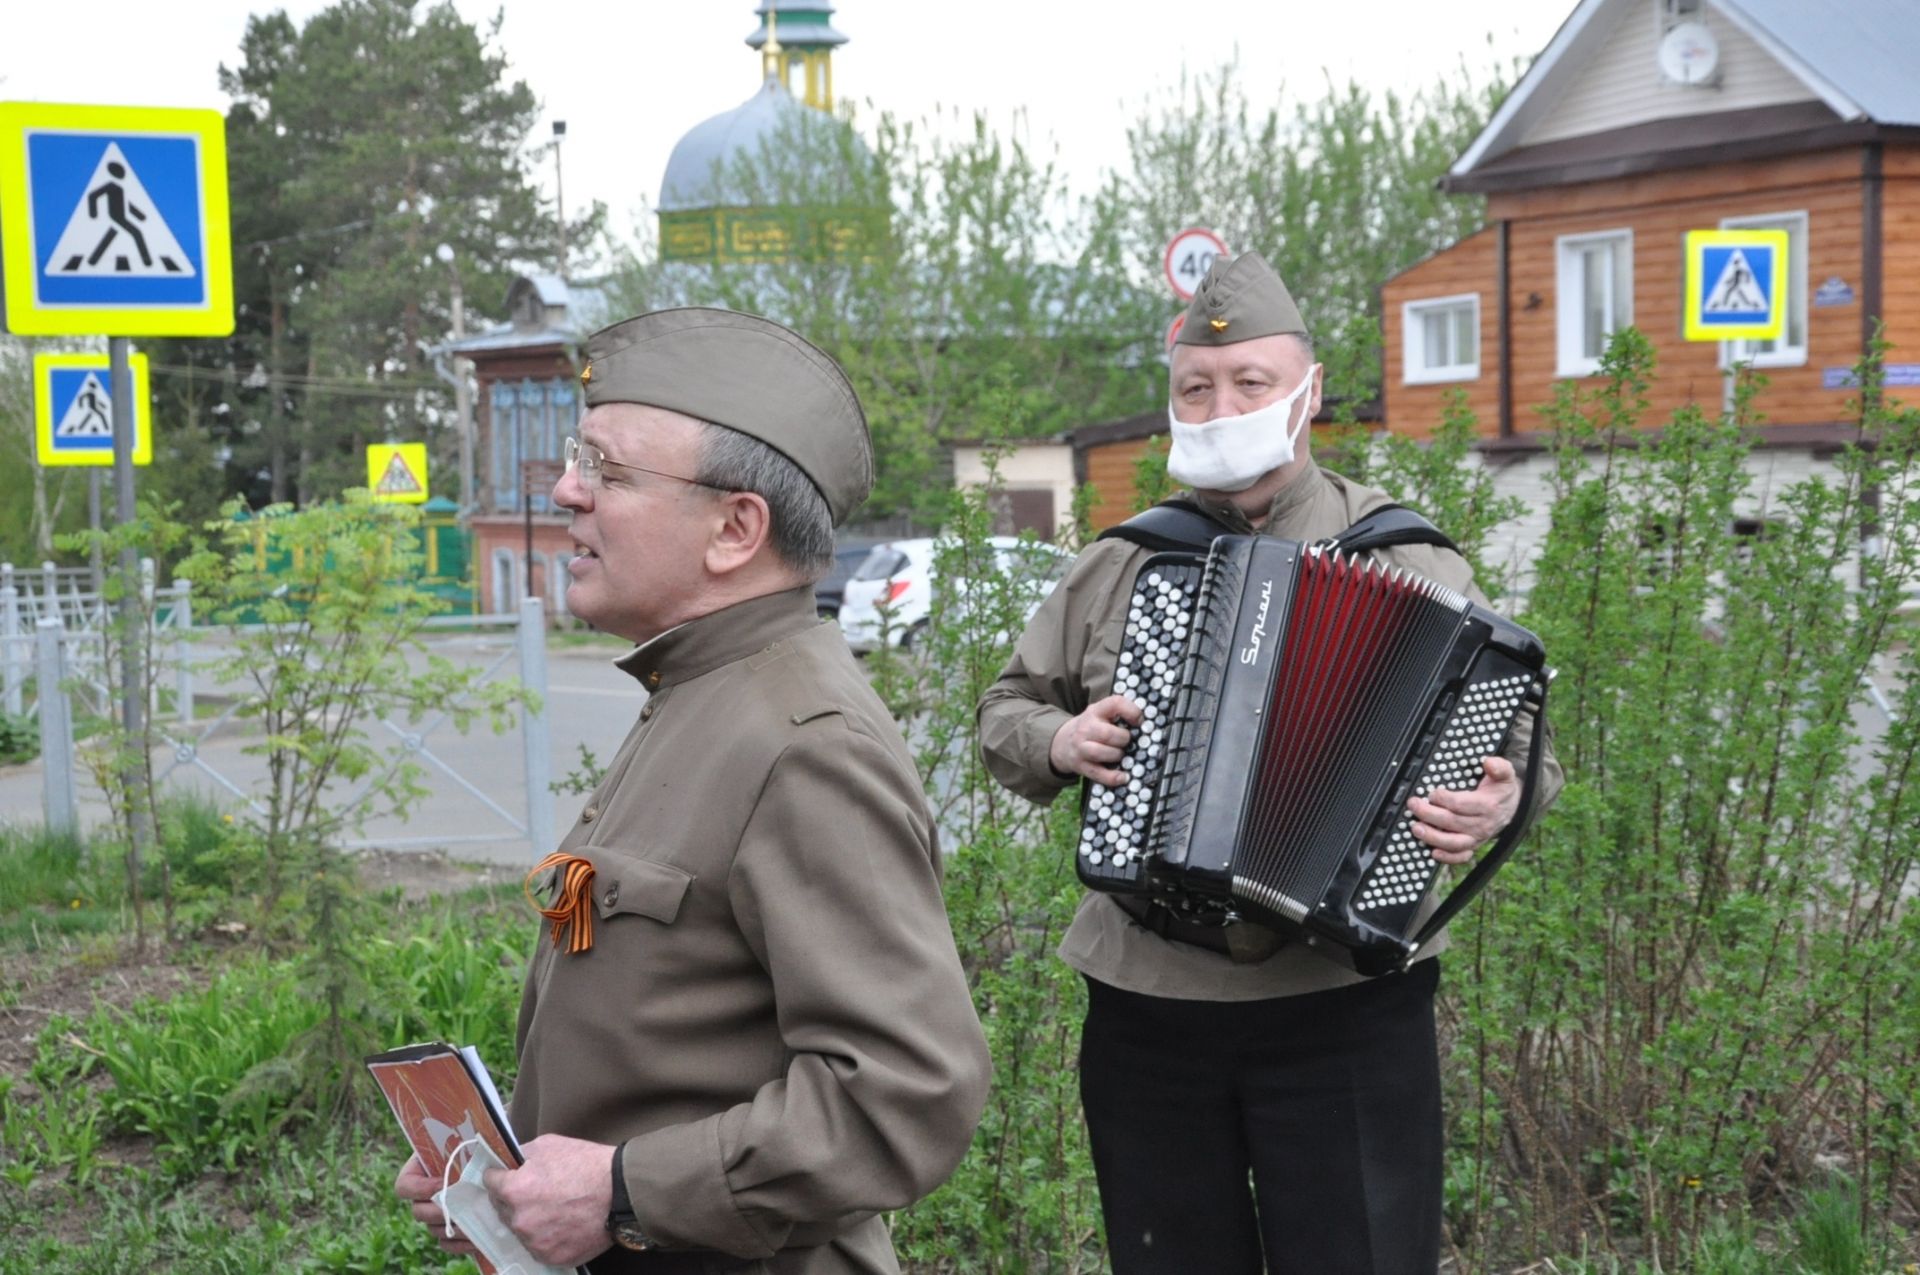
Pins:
x: 573, y: 901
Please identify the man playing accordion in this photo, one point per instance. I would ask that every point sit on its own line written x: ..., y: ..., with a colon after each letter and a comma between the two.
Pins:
x: 1251, y: 1105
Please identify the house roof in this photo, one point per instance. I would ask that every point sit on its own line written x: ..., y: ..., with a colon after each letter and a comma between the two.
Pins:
x: 1856, y: 58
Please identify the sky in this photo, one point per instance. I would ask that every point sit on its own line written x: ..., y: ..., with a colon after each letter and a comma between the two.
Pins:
x: 630, y: 78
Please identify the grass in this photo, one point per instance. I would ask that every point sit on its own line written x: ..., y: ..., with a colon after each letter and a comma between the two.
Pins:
x: 52, y: 884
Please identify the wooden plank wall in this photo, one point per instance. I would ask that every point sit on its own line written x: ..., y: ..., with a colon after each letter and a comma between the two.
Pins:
x: 1660, y: 208
x: 1471, y: 265
x: 1900, y: 269
x: 1110, y: 471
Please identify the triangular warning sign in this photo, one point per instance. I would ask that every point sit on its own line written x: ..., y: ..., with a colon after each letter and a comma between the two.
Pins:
x: 1738, y: 290
x: 399, y: 480
x: 90, y: 415
x: 116, y: 229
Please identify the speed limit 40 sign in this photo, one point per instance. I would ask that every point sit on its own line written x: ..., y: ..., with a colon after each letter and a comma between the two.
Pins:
x: 1189, y: 253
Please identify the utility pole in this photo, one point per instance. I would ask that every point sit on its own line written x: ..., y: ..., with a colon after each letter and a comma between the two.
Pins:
x: 560, y: 194
x: 462, y: 403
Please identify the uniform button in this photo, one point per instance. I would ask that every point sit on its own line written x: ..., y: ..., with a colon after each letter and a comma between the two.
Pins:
x: 653, y: 678
x: 612, y: 896
x: 586, y: 816
x: 646, y: 712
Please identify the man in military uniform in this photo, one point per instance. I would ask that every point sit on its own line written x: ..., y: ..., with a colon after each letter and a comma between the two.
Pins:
x: 1211, y: 1058
x: 748, y: 1033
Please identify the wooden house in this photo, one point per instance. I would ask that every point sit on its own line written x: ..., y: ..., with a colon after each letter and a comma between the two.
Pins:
x: 1643, y: 120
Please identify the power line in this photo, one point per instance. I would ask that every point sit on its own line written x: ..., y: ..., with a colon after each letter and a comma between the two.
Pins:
x: 338, y: 387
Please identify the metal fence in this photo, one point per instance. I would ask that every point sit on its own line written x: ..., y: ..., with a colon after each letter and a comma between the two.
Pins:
x: 64, y: 666
x: 65, y: 597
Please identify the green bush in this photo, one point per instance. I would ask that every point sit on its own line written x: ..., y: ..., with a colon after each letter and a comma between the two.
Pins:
x: 202, y: 1074
x: 19, y: 738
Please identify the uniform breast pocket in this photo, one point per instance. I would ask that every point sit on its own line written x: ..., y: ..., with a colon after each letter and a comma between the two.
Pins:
x: 630, y: 887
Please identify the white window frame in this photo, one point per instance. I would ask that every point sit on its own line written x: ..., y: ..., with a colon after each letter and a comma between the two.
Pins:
x: 1413, y: 354
x: 1572, y: 360
x: 1785, y: 354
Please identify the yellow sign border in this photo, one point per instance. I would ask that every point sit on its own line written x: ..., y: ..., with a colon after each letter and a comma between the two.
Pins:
x: 25, y: 316
x: 412, y: 455
x: 43, y: 448
x: 1698, y: 241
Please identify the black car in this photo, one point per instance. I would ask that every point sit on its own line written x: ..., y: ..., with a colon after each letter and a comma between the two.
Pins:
x: 826, y: 593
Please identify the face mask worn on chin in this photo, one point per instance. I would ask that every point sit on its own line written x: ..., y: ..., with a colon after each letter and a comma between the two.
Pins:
x: 470, y: 1209
x: 1232, y: 453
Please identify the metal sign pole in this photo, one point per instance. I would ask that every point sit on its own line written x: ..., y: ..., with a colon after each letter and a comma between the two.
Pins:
x: 133, y: 699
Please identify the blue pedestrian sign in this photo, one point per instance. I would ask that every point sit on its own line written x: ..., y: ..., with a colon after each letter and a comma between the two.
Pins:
x: 1736, y: 285
x: 113, y: 221
x: 73, y: 409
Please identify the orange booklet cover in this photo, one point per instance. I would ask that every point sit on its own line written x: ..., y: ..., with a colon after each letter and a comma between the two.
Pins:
x: 443, y: 1096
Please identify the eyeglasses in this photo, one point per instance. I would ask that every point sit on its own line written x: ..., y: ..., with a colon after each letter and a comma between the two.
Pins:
x: 593, y: 465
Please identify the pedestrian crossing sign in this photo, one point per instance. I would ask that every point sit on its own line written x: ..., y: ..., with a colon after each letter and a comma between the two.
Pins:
x: 113, y: 221
x: 1736, y: 285
x: 73, y: 409
x: 397, y: 472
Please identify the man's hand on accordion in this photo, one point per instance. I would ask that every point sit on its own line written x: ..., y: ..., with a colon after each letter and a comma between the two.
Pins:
x: 1091, y: 743
x: 1457, y: 823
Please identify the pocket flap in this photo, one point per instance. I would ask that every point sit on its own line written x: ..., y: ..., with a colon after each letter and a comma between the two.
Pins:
x: 639, y: 887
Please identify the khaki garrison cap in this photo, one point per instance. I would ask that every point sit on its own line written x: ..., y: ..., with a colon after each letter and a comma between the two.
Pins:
x: 746, y: 373
x: 1239, y: 300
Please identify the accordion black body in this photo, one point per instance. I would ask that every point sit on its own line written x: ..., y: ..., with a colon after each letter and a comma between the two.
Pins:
x: 1294, y: 698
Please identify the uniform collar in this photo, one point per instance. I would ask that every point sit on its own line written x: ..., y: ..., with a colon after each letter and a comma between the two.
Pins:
x: 719, y: 637
x: 1292, y: 507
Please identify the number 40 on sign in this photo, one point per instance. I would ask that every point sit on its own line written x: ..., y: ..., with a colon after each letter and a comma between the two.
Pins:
x: 1189, y: 254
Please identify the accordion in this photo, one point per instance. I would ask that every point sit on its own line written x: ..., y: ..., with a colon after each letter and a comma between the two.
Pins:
x: 1294, y: 697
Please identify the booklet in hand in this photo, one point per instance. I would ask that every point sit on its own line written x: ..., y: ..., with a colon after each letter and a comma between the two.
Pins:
x: 443, y: 1098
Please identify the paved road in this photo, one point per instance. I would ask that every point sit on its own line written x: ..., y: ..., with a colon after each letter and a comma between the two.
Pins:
x: 591, y: 704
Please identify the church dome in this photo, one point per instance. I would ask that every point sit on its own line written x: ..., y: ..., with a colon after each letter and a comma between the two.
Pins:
x: 700, y: 172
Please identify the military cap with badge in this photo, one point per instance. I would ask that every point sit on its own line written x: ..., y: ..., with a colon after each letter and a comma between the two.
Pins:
x: 745, y: 373
x: 1240, y: 300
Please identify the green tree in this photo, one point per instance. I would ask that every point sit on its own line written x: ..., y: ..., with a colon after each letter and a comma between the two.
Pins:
x: 360, y: 143
x: 1338, y: 192
x: 984, y: 304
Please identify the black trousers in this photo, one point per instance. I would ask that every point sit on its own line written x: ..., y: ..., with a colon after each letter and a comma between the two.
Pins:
x: 1305, y: 1128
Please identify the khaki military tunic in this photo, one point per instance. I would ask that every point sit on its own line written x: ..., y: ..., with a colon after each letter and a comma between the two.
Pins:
x: 1065, y: 661
x: 772, y: 1015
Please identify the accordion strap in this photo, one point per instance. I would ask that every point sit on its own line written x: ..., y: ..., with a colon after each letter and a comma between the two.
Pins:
x: 1172, y: 526
x: 1385, y: 527
x: 1490, y: 862
x: 1178, y: 525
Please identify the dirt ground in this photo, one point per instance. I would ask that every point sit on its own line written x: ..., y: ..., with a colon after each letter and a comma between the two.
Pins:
x: 37, y: 986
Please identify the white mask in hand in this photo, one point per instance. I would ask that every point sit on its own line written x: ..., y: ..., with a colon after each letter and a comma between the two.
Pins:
x: 469, y: 1207
x: 1232, y: 453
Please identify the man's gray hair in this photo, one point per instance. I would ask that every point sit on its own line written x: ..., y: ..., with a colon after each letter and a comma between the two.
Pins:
x: 802, y: 531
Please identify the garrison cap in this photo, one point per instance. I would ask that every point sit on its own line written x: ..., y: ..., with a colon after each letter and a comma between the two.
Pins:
x: 1239, y: 300
x: 746, y: 373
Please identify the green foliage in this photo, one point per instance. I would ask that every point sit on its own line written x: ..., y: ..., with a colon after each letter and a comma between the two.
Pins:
x: 1338, y: 191
x: 1699, y: 978
x: 192, y: 1073
x: 996, y: 307
x: 19, y: 738
x: 1438, y: 478
x: 50, y: 885
x: 1151, y: 482
x: 332, y: 645
x: 1023, y: 1199
x: 360, y: 141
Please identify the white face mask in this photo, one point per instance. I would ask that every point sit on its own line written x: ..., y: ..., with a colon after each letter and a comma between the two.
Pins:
x: 1232, y: 453
x: 468, y: 1207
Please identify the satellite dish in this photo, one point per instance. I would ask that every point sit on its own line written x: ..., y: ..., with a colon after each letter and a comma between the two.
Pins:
x: 1689, y: 54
